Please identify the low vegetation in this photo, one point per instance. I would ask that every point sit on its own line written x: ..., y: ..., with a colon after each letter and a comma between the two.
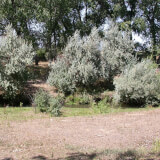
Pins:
x: 18, y: 114
x: 46, y: 103
x: 129, y: 154
x: 28, y: 113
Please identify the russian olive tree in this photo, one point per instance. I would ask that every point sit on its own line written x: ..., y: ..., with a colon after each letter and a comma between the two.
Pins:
x: 138, y: 84
x: 88, y: 60
x: 15, y: 55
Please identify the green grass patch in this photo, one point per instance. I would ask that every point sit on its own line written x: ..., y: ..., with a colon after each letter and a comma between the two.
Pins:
x: 19, y: 114
x: 77, y: 111
x: 156, y: 146
x: 28, y: 113
x: 70, y: 111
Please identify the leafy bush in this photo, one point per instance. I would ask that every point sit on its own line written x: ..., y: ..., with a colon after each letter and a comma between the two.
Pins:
x: 46, y: 103
x: 108, y: 95
x: 78, y: 99
x: 42, y: 100
x: 56, y: 104
x: 138, y: 84
x: 16, y: 100
x: 116, y: 51
x: 41, y: 54
x: 91, y: 59
x: 102, y: 106
x: 15, y: 55
x: 60, y: 78
x: 85, y: 99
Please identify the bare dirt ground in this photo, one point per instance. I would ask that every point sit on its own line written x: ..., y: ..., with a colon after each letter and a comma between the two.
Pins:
x: 58, y: 138
x: 41, y: 73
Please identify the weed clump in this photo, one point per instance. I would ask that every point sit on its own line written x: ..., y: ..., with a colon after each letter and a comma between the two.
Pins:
x: 48, y: 104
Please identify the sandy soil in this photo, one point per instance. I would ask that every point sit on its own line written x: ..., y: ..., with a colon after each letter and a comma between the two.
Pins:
x: 40, y: 82
x: 56, y: 138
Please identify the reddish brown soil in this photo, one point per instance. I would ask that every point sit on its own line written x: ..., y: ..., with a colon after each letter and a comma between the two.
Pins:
x: 41, y: 71
x: 39, y: 84
x: 60, y: 137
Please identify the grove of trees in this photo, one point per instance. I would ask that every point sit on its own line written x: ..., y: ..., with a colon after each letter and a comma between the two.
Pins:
x: 49, y: 23
x: 91, y: 42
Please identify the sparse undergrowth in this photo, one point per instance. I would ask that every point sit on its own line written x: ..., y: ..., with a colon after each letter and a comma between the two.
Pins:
x: 129, y: 154
x: 48, y: 104
x: 19, y: 114
x: 29, y: 113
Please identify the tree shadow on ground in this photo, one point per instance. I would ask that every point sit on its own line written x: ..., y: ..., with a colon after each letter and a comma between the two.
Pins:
x: 40, y: 157
x: 128, y: 155
x: 72, y: 156
x: 107, y: 154
x: 79, y: 156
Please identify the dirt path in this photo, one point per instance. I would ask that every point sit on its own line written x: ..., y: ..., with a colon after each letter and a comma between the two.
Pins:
x: 41, y: 74
x: 58, y: 137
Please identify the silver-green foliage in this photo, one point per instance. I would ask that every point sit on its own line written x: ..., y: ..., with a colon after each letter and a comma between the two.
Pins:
x: 139, y: 83
x: 15, y: 55
x: 91, y: 58
x: 60, y: 76
x: 117, y: 49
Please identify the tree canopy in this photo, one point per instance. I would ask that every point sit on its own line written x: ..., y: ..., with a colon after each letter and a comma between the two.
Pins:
x: 49, y: 23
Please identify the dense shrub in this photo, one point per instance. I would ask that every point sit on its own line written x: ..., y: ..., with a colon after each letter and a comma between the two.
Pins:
x: 56, y: 103
x: 60, y: 77
x: 79, y: 99
x: 41, y: 54
x: 16, y: 101
x: 91, y: 59
x: 138, y: 84
x: 42, y: 100
x: 15, y: 55
x: 46, y: 103
x: 117, y: 50
x: 102, y: 106
x: 85, y: 99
